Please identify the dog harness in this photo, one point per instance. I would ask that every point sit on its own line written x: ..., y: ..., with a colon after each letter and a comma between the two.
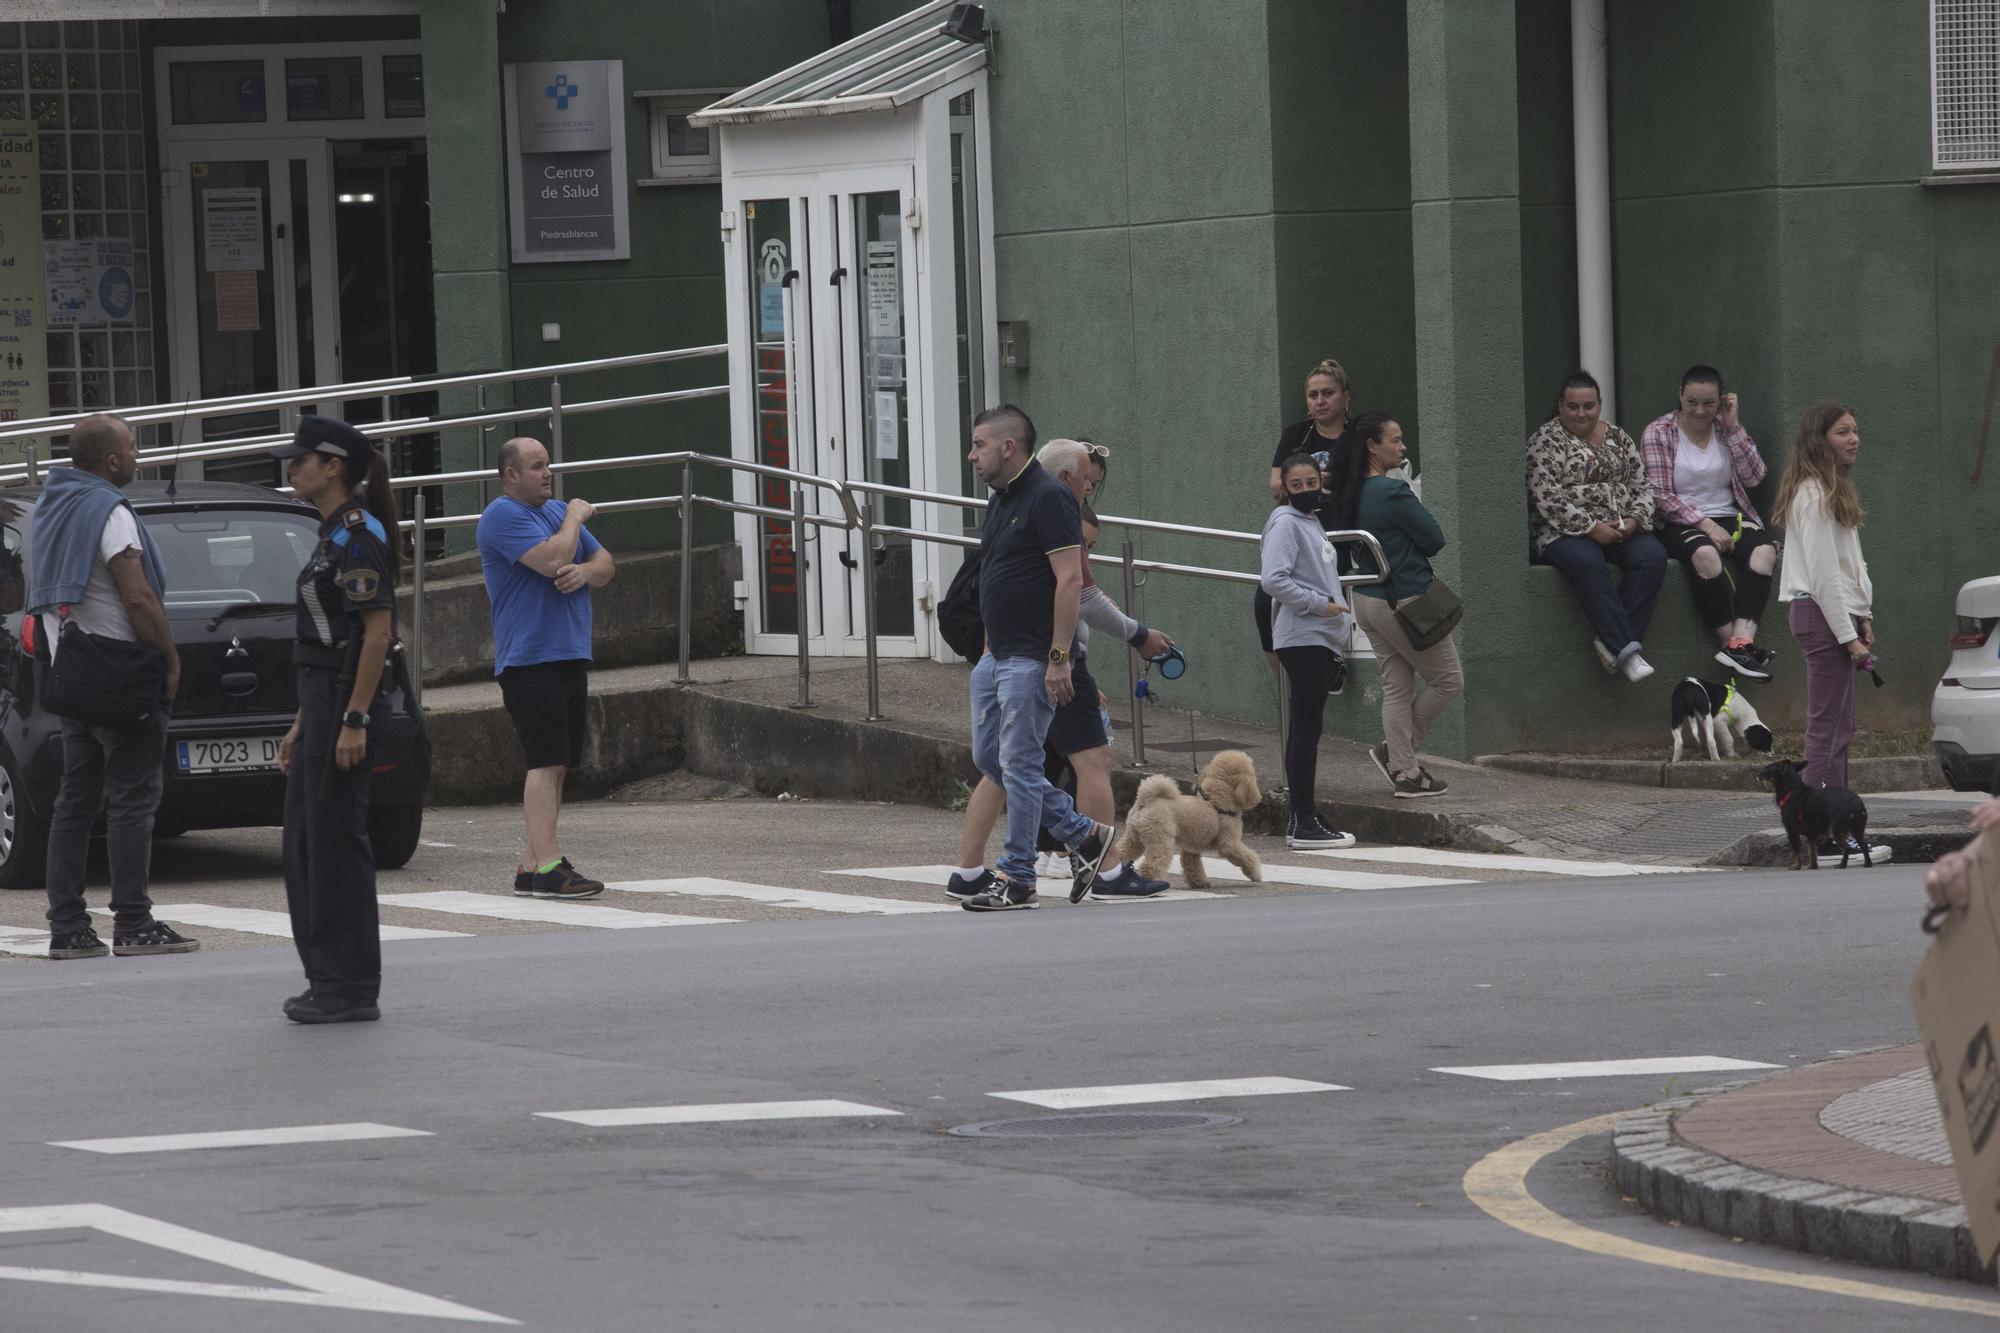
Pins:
x: 1728, y: 698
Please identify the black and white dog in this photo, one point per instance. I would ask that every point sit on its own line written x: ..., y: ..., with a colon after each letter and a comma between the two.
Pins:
x: 1700, y: 705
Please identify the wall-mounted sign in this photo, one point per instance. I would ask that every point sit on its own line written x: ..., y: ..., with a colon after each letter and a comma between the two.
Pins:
x: 232, y: 229
x: 24, y: 348
x: 566, y: 161
x: 89, y: 282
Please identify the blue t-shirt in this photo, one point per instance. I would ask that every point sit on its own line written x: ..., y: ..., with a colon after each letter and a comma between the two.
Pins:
x: 532, y: 622
x: 1026, y: 523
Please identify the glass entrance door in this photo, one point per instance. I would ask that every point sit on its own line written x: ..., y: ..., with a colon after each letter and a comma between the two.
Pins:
x: 249, y: 244
x: 834, y: 373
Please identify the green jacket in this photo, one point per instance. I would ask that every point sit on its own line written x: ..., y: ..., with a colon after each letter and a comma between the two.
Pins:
x: 1390, y: 510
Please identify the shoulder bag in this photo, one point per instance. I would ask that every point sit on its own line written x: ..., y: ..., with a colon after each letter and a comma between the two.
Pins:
x: 105, y: 682
x: 1429, y: 616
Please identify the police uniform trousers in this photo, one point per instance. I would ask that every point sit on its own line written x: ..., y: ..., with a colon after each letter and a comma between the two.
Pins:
x: 329, y: 864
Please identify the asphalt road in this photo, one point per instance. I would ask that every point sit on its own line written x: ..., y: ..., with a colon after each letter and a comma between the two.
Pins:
x: 1318, y: 1209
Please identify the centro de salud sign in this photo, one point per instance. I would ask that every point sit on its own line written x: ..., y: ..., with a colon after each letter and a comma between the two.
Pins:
x: 566, y: 161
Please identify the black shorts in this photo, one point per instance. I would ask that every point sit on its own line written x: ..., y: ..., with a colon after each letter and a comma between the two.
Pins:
x: 546, y: 701
x: 1078, y: 724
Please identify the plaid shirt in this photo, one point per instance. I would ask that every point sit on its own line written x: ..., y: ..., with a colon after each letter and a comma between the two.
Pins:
x: 1659, y: 444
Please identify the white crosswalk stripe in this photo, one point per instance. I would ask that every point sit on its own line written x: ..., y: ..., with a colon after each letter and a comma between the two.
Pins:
x: 24, y: 941
x: 1135, y: 1094
x: 257, y: 921
x: 1316, y: 877
x: 1547, y: 865
x: 246, y: 1138
x: 935, y: 876
x: 1671, y: 1064
x: 716, y: 1113
x: 814, y: 900
x: 545, y: 911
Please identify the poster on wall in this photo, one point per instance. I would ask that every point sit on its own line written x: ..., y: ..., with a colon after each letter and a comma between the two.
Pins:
x: 566, y: 161
x: 232, y: 228
x: 89, y: 282
x: 24, y: 376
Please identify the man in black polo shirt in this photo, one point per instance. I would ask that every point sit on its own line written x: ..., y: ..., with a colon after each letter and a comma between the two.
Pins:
x: 1029, y: 580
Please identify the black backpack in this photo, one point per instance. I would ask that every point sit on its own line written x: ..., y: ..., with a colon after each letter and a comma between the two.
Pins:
x: 958, y: 613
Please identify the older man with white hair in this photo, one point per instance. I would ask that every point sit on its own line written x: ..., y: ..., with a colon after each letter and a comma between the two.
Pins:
x: 1077, y: 734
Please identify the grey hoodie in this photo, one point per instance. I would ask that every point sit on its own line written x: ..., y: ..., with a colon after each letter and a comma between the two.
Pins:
x: 1300, y: 573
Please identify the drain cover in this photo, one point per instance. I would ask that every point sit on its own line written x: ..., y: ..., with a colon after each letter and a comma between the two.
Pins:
x: 1098, y: 1122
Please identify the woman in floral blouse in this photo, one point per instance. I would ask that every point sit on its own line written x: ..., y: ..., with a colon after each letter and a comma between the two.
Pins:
x: 1590, y: 507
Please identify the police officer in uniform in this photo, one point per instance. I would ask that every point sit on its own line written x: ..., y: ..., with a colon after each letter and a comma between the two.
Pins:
x: 347, y: 599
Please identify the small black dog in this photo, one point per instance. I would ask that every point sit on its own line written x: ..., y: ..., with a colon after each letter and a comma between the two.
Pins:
x: 1812, y: 814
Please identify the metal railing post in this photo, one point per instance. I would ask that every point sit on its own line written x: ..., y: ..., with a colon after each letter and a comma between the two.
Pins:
x: 866, y: 510
x: 687, y: 570
x: 32, y: 456
x: 1132, y: 609
x: 418, y: 514
x: 479, y: 436
x: 556, y: 434
x: 799, y: 581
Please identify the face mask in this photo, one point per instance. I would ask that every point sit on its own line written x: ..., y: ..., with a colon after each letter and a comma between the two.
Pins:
x: 1306, y: 502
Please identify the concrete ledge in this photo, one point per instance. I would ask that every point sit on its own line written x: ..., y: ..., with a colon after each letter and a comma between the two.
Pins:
x: 1909, y: 845
x: 1890, y: 773
x: 1678, y: 1182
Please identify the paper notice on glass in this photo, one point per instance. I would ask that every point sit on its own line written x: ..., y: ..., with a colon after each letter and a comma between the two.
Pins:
x: 888, y: 427
x: 237, y: 309
x: 233, y: 230
x: 885, y: 290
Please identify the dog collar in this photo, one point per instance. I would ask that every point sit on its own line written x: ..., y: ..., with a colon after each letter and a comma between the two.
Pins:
x: 1220, y: 810
x: 1788, y: 796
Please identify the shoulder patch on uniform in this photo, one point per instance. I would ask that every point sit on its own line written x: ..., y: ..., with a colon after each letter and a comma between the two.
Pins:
x: 356, y: 517
x: 360, y: 584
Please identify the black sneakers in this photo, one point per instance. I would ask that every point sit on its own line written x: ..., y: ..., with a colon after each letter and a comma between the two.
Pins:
x: 1127, y: 886
x: 1088, y: 857
x: 311, y: 1008
x: 1004, y: 896
x: 1423, y: 784
x: 1308, y: 833
x: 79, y: 943
x: 1379, y: 756
x: 153, y: 937
x: 1746, y: 660
x: 562, y: 882
x: 962, y: 889
x: 1878, y: 853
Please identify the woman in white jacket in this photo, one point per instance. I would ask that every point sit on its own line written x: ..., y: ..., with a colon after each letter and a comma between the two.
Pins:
x: 1825, y: 581
x: 1311, y: 627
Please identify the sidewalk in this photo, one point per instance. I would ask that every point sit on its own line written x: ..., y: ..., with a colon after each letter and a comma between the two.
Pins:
x: 738, y: 722
x: 1845, y: 1159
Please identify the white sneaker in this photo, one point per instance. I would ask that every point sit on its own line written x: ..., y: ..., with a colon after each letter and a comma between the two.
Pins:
x: 1636, y: 668
x: 1604, y: 657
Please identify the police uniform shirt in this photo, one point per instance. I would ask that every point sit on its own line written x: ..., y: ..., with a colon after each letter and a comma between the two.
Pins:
x: 348, y: 574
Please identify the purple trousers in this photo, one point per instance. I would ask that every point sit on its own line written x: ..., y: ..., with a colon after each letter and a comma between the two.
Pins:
x: 1829, y: 696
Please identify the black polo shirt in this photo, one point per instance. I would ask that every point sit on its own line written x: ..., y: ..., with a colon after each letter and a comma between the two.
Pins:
x: 1026, y: 522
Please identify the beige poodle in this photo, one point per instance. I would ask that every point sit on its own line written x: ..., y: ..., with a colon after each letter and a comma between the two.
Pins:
x: 1162, y: 821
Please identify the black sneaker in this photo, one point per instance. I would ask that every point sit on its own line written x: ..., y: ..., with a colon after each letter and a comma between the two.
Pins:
x: 153, y: 937
x: 1088, y: 857
x: 1127, y: 886
x: 562, y: 882
x: 1878, y: 854
x: 1764, y: 656
x: 310, y: 1008
x: 524, y: 883
x: 962, y: 889
x: 1004, y: 896
x: 1423, y: 784
x: 1379, y: 755
x: 79, y: 943
x: 1744, y: 662
x: 1337, y: 677
x: 1308, y: 833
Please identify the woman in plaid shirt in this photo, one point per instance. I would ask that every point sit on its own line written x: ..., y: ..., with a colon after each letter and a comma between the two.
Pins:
x: 1589, y: 508
x: 1702, y: 464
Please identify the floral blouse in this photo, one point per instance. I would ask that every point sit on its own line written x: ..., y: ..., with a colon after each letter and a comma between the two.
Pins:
x: 1572, y: 486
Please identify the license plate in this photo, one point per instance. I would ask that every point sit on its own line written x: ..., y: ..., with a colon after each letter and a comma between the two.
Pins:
x: 243, y: 754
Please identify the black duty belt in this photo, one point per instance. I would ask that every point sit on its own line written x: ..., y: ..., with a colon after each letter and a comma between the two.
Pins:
x: 319, y: 655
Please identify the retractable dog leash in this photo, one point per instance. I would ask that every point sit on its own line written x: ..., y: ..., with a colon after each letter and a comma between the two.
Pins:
x: 1173, y: 665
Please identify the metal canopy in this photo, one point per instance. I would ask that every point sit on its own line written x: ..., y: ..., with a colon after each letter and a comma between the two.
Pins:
x: 882, y: 69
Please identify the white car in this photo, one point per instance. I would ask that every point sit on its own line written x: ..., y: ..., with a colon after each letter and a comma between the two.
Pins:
x: 1966, y: 708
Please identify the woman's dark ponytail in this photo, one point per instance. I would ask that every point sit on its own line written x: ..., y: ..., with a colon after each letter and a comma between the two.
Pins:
x: 381, y: 502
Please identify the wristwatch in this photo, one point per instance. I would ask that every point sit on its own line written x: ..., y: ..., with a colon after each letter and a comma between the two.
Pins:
x: 353, y: 719
x: 1058, y: 656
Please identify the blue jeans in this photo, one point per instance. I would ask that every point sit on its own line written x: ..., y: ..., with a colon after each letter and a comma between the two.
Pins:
x: 1619, y: 613
x: 1011, y: 713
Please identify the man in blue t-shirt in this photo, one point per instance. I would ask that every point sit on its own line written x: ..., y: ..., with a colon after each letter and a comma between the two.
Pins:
x: 1030, y: 577
x: 541, y: 563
